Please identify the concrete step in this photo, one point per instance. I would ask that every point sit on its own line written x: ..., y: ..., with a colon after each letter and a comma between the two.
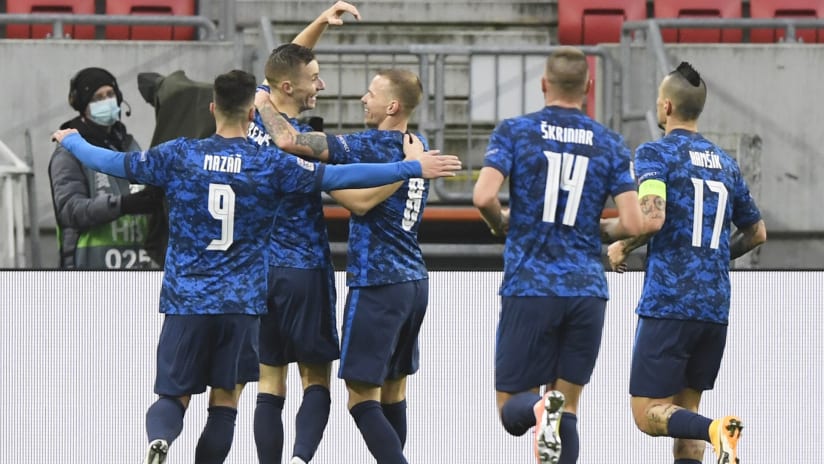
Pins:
x: 379, y: 34
x: 393, y: 12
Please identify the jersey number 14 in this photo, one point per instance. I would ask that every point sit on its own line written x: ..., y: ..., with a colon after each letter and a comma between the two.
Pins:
x: 564, y: 172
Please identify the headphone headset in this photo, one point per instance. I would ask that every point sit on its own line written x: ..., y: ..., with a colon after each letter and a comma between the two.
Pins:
x: 74, y: 103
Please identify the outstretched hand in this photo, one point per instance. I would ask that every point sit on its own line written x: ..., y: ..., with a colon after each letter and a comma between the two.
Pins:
x: 434, y: 165
x: 59, y: 135
x: 412, y: 146
x: 334, y: 14
x: 617, y: 254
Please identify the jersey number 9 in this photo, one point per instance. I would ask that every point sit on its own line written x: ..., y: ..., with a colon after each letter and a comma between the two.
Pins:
x: 222, y: 208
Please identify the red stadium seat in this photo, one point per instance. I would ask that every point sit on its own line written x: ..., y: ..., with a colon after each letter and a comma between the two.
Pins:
x: 590, y: 22
x: 150, y: 7
x: 786, y: 9
x: 699, y: 9
x: 41, y: 31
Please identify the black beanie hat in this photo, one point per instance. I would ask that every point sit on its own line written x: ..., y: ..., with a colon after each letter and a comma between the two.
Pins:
x: 86, y: 82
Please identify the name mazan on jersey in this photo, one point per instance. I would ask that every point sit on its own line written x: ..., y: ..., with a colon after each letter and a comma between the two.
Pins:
x: 705, y: 159
x: 222, y: 163
x: 566, y: 134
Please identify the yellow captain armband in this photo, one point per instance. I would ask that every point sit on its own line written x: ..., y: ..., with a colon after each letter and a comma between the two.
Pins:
x: 652, y: 187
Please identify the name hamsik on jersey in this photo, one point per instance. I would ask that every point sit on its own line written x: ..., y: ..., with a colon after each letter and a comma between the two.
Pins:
x: 562, y: 167
x: 383, y: 243
x: 687, y: 275
x: 222, y: 197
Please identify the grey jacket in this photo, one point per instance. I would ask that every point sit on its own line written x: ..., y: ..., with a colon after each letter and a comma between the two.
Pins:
x: 76, y: 207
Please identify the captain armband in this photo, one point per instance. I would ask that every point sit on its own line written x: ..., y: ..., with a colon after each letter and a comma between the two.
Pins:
x: 652, y: 187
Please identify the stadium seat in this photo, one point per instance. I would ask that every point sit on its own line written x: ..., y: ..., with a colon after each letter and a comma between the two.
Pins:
x: 590, y: 22
x: 699, y: 9
x: 786, y: 9
x: 150, y: 7
x: 41, y: 31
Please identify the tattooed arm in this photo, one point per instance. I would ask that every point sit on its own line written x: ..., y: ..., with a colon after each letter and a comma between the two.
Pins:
x: 745, y: 239
x: 628, y: 223
x: 653, y: 213
x: 286, y: 137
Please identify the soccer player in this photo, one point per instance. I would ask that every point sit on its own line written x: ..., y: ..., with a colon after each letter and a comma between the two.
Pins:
x: 222, y: 194
x: 562, y: 166
x: 386, y: 273
x: 301, y: 323
x: 690, y: 191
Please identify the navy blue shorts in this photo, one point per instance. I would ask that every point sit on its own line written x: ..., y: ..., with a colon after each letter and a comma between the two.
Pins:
x: 670, y: 355
x: 541, y: 339
x: 380, y: 331
x: 220, y: 351
x: 300, y: 325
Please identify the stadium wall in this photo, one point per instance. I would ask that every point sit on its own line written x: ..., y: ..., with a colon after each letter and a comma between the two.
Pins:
x: 773, y: 92
x: 765, y: 90
x: 77, y: 351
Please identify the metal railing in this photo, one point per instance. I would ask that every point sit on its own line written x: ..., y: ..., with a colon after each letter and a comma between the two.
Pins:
x: 17, y: 210
x: 649, y: 33
x: 57, y: 20
x: 431, y: 62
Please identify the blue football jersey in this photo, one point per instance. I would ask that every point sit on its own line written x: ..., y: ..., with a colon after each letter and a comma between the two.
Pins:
x: 687, y: 269
x: 562, y: 166
x: 383, y: 243
x: 222, y: 196
x: 299, y: 239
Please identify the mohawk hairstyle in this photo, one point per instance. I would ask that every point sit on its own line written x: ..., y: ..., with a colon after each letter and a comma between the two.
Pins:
x: 689, y: 73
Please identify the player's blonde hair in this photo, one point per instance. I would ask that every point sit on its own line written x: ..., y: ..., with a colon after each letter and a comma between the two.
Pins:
x: 567, y: 71
x: 404, y: 86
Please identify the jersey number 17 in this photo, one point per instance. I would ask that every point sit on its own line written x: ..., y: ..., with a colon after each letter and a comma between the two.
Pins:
x: 698, y: 211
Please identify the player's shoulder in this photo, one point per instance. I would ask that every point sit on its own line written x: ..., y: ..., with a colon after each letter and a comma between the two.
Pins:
x: 655, y: 148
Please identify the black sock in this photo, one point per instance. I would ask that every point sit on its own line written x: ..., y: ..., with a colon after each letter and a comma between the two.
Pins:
x: 268, y: 428
x: 164, y: 419
x: 311, y: 421
x: 570, y: 446
x: 396, y: 415
x: 377, y: 432
x: 216, y: 439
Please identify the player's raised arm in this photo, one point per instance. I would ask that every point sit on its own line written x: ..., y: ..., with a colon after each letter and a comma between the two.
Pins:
x: 333, y: 15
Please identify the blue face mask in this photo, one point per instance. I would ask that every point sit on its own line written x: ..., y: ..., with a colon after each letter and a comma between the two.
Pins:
x: 104, y: 112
